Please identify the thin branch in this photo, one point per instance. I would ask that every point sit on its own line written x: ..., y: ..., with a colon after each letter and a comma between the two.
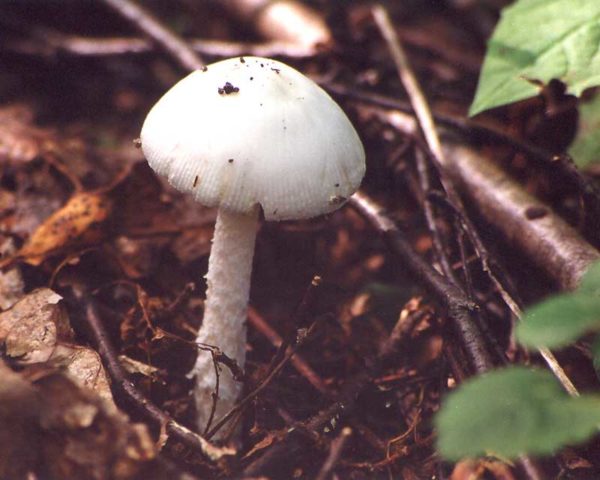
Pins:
x: 438, y: 243
x: 343, y: 405
x: 335, y: 451
x: 547, y: 239
x: 48, y: 42
x: 561, y: 164
x: 287, y: 348
x: 460, y: 308
x: 427, y: 124
x: 215, y: 395
x: 301, y: 366
x: 159, y: 33
x: 239, y: 406
x: 122, y: 385
x: 425, y: 118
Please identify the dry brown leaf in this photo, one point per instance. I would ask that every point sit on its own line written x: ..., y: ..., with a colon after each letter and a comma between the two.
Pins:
x: 88, y: 440
x: 480, y: 469
x: 37, y: 329
x: 53, y: 429
x: 76, y: 223
x: 11, y: 281
x: 19, y: 435
x: 84, y: 366
x: 20, y: 140
x: 31, y: 327
x: 267, y: 441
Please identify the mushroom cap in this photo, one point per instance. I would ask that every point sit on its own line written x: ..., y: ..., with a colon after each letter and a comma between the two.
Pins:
x: 253, y: 131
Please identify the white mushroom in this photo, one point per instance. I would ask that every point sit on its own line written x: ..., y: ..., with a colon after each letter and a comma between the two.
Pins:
x: 248, y: 134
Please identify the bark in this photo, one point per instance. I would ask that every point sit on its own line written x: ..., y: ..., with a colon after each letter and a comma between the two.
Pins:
x: 527, y: 223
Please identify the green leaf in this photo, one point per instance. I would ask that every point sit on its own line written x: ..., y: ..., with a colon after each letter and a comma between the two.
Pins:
x: 562, y: 319
x: 558, y: 321
x: 590, y: 282
x: 585, y: 149
x: 537, y: 41
x: 512, y: 412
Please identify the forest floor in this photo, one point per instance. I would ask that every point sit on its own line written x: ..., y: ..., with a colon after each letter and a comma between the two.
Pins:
x: 103, y: 263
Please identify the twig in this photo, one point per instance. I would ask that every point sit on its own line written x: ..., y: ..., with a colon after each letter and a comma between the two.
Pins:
x: 546, y: 238
x: 335, y: 451
x: 265, y: 382
x: 438, y: 243
x: 425, y: 118
x: 127, y: 389
x: 48, y: 42
x: 291, y: 21
x: 287, y: 349
x: 215, y: 395
x: 447, y: 270
x: 164, y: 37
x: 303, y: 368
x: 559, y: 163
x: 300, y: 320
x: 343, y: 405
x: 550, y: 241
x: 427, y: 124
x: 459, y: 306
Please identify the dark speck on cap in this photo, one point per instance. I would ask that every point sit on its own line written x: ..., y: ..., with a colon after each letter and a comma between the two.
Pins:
x: 227, y: 89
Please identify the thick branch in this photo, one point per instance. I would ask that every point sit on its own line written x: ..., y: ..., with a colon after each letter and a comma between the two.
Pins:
x: 527, y: 223
x: 154, y: 29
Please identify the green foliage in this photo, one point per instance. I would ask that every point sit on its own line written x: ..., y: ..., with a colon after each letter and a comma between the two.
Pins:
x: 511, y: 412
x: 561, y: 319
x: 537, y: 41
x: 585, y: 149
x: 519, y: 411
x: 516, y: 411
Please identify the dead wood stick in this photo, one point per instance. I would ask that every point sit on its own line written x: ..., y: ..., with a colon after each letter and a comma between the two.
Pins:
x: 303, y: 368
x: 344, y: 404
x: 159, y: 33
x: 283, y: 20
x: 286, y: 351
x: 460, y: 309
x: 527, y: 223
x: 127, y: 389
x: 239, y: 406
x: 439, y: 158
x: 430, y: 218
x: 427, y: 124
x: 335, y: 451
x: 428, y: 127
x: 561, y: 164
x: 438, y: 244
x: 47, y: 42
x: 407, y: 124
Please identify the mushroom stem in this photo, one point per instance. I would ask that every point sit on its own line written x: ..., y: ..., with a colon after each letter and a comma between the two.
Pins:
x: 224, y: 323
